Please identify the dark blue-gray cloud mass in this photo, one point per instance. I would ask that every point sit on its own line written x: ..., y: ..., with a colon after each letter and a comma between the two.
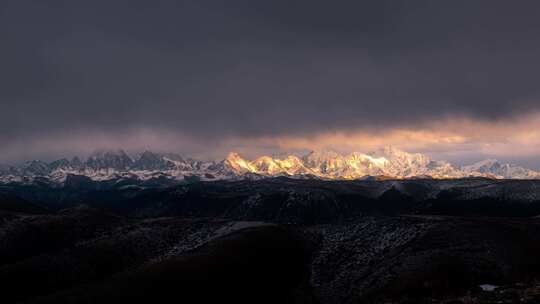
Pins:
x: 254, y: 68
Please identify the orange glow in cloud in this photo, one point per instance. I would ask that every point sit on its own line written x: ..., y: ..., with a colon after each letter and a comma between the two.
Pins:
x: 517, y: 137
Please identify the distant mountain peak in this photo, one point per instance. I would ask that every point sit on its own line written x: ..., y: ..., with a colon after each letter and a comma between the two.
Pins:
x: 238, y: 164
x: 149, y: 160
x: 387, y: 162
x: 493, y: 167
x: 105, y: 159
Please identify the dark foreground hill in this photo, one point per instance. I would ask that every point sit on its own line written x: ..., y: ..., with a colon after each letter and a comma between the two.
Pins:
x: 396, y: 259
x: 286, y: 200
x: 274, y: 241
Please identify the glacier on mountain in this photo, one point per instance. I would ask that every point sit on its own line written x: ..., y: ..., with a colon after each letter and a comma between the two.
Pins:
x: 388, y: 162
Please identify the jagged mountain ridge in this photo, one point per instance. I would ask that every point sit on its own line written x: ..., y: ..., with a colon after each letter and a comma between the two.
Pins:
x: 388, y: 162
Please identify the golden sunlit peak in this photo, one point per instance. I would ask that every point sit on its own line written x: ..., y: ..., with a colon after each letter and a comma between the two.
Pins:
x: 388, y: 161
x: 238, y: 164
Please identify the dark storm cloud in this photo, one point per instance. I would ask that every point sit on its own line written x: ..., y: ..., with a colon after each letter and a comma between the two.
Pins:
x: 251, y: 68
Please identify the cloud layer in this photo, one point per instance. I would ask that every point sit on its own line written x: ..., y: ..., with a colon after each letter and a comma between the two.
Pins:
x: 203, y: 76
x: 460, y: 140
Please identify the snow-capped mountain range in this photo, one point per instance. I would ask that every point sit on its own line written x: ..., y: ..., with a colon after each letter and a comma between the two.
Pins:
x: 386, y: 163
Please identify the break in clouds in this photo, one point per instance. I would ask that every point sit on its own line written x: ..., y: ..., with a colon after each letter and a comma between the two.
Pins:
x: 457, y: 79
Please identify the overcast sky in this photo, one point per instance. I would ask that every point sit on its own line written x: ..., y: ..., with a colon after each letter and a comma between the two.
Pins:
x: 455, y: 79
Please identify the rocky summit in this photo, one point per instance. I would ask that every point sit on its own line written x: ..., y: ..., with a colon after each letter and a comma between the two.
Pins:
x: 386, y: 163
